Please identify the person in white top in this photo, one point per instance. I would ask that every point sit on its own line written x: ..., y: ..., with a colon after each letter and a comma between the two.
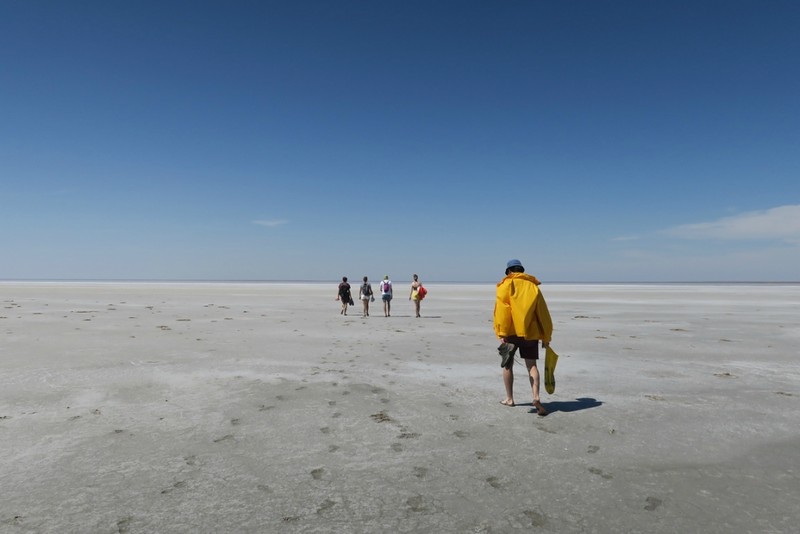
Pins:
x: 386, y: 296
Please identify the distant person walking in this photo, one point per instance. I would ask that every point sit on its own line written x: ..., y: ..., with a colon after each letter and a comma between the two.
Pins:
x: 418, y: 293
x: 386, y: 296
x: 364, y: 295
x: 344, y: 295
x: 521, y: 320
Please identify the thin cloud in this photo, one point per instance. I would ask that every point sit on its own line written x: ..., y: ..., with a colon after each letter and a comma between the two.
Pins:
x: 782, y: 222
x: 271, y: 223
x: 625, y: 238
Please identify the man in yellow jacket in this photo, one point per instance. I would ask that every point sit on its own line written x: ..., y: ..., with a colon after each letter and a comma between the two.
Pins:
x: 521, y: 320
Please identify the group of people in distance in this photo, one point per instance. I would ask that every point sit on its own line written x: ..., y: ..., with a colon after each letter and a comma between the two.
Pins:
x: 366, y: 295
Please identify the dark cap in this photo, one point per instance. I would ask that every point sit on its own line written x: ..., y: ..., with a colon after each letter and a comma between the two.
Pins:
x: 513, y: 263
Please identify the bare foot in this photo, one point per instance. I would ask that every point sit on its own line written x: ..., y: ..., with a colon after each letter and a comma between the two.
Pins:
x: 539, y: 408
x: 507, y: 402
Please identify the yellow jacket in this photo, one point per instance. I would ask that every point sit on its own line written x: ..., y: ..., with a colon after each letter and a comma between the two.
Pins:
x: 520, y: 309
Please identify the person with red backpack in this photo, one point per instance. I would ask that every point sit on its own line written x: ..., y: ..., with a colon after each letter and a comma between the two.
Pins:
x: 386, y: 296
x: 418, y: 293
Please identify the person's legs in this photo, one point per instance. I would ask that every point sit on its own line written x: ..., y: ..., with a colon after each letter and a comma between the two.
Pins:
x: 529, y: 351
x: 365, y: 306
x: 416, y: 306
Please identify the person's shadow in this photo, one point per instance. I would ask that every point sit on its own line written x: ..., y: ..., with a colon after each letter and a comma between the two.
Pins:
x: 583, y: 403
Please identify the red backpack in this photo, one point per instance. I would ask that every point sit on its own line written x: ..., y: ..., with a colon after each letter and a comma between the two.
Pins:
x: 421, y: 292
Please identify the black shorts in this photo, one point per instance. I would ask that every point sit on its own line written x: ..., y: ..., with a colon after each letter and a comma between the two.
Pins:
x: 528, y: 349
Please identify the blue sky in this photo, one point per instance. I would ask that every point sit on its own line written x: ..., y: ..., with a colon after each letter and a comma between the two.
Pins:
x: 595, y: 141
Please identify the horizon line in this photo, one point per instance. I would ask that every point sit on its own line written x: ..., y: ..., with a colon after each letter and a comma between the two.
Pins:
x: 319, y: 281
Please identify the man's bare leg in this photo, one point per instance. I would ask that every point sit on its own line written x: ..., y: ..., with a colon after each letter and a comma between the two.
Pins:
x: 533, y: 372
x: 508, y: 381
